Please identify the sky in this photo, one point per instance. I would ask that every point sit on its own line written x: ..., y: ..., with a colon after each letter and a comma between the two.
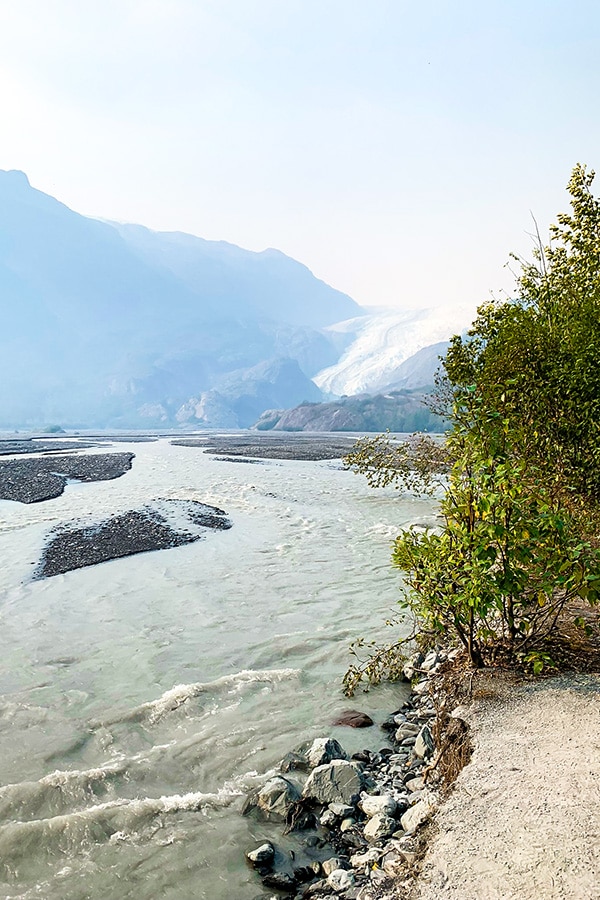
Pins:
x: 398, y: 149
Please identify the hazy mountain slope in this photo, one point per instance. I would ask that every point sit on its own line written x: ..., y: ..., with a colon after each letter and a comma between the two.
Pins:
x: 242, y: 396
x: 100, y: 321
x: 228, y: 277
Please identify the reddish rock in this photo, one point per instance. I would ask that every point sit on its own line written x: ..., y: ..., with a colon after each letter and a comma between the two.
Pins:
x: 353, y: 718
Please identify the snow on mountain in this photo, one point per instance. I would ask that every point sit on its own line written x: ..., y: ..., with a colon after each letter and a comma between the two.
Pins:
x: 382, y: 342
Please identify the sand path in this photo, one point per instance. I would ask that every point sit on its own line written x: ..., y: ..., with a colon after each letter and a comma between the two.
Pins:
x: 524, y: 818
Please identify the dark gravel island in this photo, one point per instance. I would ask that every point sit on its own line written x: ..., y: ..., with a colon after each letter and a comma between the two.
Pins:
x: 43, y: 478
x: 161, y: 525
x: 273, y: 446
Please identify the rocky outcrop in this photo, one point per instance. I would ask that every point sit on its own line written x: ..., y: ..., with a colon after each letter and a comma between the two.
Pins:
x: 399, y: 411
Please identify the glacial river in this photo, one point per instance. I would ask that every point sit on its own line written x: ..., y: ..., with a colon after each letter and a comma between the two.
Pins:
x: 141, y: 698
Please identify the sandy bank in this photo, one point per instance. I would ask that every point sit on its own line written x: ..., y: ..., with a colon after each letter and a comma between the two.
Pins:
x: 524, y: 818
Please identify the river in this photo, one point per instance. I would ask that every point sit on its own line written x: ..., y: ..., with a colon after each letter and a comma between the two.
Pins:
x: 141, y: 698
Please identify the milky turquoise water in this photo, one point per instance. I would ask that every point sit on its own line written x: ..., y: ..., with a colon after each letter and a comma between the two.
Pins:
x: 141, y: 698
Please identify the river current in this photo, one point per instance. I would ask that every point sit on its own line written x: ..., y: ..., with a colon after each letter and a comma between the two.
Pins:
x: 141, y: 698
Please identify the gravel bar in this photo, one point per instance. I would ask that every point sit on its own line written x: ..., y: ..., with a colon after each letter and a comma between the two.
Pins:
x: 33, y: 480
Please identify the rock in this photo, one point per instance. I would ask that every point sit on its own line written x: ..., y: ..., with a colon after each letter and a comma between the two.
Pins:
x: 346, y: 824
x: 431, y: 661
x: 373, y: 805
x: 341, y: 879
x: 294, y: 760
x: 276, y: 798
x: 417, y: 814
x: 341, y: 810
x: 335, y: 862
x: 353, y: 718
x: 392, y: 863
x: 424, y: 745
x: 421, y: 687
x: 323, y: 751
x: 364, y: 756
x: 415, y: 784
x: 281, y: 881
x: 407, y: 729
x: 414, y: 663
x: 358, y: 860
x: 319, y: 888
x: 328, y: 819
x: 353, y: 839
x: 380, y: 827
x: 262, y: 856
x: 338, y: 782
x: 307, y: 873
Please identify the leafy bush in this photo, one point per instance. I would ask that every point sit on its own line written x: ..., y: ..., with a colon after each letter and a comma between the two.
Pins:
x: 519, y: 517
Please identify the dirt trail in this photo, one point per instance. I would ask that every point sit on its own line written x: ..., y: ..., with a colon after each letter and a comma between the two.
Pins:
x: 524, y: 818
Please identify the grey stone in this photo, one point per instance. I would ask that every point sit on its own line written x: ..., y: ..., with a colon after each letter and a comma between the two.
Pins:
x: 346, y: 824
x: 336, y: 782
x: 334, y: 862
x: 379, y: 827
x: 417, y: 814
x: 318, y: 888
x: 276, y: 797
x: 324, y: 750
x: 261, y: 856
x: 328, y: 819
x: 431, y: 661
x: 281, y: 881
x: 424, y: 745
x: 415, y: 784
x: 407, y: 729
x: 340, y: 879
x: 373, y: 805
x: 359, y: 860
x: 341, y: 810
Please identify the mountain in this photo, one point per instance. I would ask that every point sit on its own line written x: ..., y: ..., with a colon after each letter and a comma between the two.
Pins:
x: 377, y: 349
x: 116, y: 325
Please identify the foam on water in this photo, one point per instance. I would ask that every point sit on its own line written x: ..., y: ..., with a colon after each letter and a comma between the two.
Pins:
x: 154, y: 710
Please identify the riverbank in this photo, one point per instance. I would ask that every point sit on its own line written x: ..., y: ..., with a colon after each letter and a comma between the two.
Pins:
x: 523, y: 819
x: 358, y: 821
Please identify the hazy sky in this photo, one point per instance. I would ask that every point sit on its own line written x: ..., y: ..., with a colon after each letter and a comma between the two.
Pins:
x: 396, y: 148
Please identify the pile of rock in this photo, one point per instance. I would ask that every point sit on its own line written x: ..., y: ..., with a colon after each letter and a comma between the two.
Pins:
x: 357, y: 819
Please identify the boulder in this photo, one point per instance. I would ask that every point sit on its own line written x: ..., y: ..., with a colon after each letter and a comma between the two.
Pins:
x: 341, y: 810
x: 373, y: 805
x: 276, y: 797
x: 334, y: 863
x: 337, y: 782
x: 323, y: 751
x: 417, y: 814
x: 262, y: 856
x: 341, y: 879
x: 281, y: 881
x: 424, y: 744
x: 353, y: 718
x: 328, y: 819
x: 294, y: 760
x: 380, y: 827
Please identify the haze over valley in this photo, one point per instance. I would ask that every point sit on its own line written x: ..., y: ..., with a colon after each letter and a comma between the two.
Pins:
x: 116, y: 326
